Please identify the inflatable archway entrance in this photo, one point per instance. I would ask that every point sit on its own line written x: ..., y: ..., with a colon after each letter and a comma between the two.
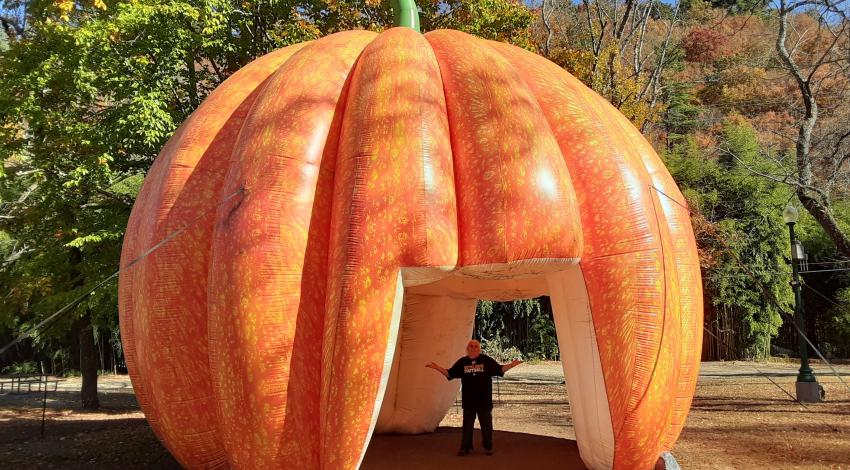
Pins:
x: 350, y: 197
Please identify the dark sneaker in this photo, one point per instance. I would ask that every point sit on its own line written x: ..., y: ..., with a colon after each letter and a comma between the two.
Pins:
x: 488, y: 452
x: 463, y: 452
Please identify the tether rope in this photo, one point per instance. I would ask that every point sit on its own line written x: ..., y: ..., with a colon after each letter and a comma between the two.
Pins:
x: 767, y: 294
x: 49, y: 321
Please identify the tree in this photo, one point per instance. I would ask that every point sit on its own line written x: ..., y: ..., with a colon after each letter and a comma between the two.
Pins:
x: 737, y: 221
x: 498, y: 20
x: 13, y: 25
x: 826, y: 288
x: 680, y: 117
x: 822, y: 153
x: 704, y: 45
x: 89, y: 93
x: 839, y: 322
x: 740, y: 6
x: 619, y: 48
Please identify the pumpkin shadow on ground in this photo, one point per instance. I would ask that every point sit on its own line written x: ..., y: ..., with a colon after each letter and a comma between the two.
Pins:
x: 438, y: 450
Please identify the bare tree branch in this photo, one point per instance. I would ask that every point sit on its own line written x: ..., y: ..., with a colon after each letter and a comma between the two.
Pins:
x: 815, y: 199
x: 547, y: 45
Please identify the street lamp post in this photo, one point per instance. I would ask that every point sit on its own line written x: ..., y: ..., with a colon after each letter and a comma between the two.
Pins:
x: 808, y: 389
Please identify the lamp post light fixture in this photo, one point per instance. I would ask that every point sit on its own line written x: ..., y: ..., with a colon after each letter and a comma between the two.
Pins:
x: 808, y: 389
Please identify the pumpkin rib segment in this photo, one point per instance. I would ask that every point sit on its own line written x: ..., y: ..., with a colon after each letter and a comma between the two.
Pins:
x: 377, y: 228
x: 664, y: 369
x: 269, y: 254
x: 583, y: 131
x: 132, y: 247
x: 454, y: 135
x: 683, y: 257
x: 618, y: 125
x: 170, y: 369
x: 451, y: 138
x: 652, y: 404
x: 500, y: 135
x: 646, y: 328
x: 665, y: 374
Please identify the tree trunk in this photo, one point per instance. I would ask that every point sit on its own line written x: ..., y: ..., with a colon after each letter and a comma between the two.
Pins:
x: 88, y: 363
x: 547, y: 45
x: 824, y: 216
x: 816, y: 202
x: 84, y: 340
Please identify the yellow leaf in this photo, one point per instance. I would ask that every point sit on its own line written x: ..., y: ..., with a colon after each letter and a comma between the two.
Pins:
x: 99, y: 4
x: 65, y: 6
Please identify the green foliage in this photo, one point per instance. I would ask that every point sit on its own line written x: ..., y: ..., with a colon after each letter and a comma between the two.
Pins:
x: 751, y: 236
x: 26, y: 367
x: 91, y: 91
x: 496, y: 349
x: 827, y: 294
x: 740, y: 6
x: 839, y: 323
x: 542, y: 341
x: 680, y: 117
x: 526, y: 325
x: 818, y: 244
x: 4, y: 41
x: 498, y: 20
x: 61, y: 358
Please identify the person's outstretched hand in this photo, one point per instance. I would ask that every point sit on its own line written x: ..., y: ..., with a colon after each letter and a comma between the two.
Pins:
x: 432, y: 365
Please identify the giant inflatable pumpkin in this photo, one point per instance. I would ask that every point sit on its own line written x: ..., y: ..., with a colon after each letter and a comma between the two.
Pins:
x: 346, y: 201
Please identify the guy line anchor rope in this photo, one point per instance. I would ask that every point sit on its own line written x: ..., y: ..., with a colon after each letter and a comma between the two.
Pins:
x: 49, y: 321
x: 767, y: 294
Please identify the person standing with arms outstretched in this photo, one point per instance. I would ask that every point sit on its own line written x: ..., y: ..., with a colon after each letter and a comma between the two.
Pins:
x: 475, y: 371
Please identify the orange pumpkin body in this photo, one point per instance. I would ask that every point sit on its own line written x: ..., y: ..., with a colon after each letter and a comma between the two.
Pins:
x: 360, y: 172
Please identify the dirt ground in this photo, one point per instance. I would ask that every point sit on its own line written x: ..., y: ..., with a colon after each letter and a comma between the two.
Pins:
x: 739, y: 420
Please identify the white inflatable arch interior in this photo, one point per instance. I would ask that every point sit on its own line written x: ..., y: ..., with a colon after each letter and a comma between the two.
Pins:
x: 434, y: 313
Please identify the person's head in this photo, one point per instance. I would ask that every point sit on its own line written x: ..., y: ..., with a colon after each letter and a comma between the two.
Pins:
x: 473, y: 348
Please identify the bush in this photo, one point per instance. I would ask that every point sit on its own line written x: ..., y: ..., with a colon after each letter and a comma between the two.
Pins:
x: 27, y: 367
x: 523, y: 326
x: 495, y: 349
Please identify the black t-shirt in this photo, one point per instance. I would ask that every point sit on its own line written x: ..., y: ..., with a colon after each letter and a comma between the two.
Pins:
x: 476, y: 384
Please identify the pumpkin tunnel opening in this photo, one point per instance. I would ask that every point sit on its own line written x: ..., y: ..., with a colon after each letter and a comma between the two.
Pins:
x: 436, y: 320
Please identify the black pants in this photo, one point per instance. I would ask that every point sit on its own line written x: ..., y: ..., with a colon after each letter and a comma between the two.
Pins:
x: 485, y: 419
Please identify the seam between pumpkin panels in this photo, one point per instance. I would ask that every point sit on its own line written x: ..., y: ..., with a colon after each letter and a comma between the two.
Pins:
x: 607, y: 142
x: 345, y: 94
x: 259, y: 91
x: 653, y: 195
x: 621, y: 253
x: 423, y: 190
x: 506, y: 201
x: 251, y: 98
x: 632, y: 153
x: 458, y: 260
x: 548, y: 126
x: 663, y: 306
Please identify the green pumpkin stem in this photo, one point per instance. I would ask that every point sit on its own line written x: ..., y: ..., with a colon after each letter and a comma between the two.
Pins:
x: 406, y: 14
